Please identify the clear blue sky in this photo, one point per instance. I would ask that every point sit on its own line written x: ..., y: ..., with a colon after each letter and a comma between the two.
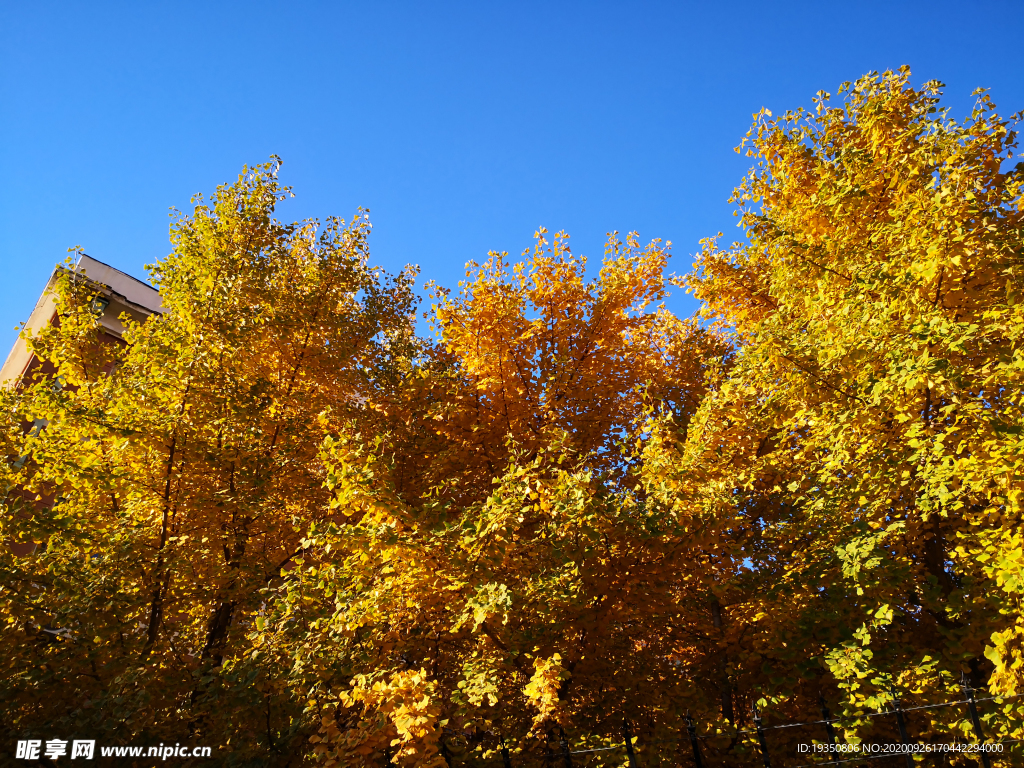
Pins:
x: 462, y: 127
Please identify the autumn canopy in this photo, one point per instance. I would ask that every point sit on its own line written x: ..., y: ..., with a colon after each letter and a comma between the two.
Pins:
x: 278, y: 521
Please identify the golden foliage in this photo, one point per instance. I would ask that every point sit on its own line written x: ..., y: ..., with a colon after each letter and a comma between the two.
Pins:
x: 276, y: 517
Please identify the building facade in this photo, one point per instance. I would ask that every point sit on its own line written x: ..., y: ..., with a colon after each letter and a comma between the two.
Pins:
x: 118, y: 293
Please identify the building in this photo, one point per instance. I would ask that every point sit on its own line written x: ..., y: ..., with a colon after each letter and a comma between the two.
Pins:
x: 119, y: 293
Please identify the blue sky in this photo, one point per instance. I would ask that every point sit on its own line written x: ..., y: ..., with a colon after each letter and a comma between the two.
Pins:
x: 462, y: 127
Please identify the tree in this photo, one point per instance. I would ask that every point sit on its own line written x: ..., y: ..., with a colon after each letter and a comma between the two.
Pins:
x: 164, y: 494
x: 523, y: 587
x: 867, y: 441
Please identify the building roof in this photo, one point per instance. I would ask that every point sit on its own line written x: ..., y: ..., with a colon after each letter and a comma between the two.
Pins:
x: 126, y: 294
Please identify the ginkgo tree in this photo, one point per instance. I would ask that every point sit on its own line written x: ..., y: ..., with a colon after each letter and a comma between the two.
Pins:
x: 541, y: 595
x: 867, y: 440
x: 164, y: 489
